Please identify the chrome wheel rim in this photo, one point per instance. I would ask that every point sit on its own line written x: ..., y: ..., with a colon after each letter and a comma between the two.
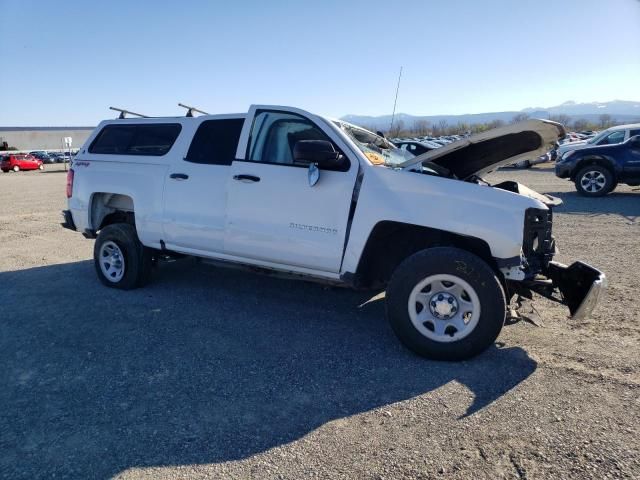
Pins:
x: 593, y: 181
x: 111, y: 261
x: 444, y: 308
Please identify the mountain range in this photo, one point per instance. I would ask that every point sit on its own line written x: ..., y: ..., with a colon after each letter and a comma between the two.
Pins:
x: 619, y: 110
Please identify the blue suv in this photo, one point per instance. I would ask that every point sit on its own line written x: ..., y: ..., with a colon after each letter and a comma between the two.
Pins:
x: 597, y: 170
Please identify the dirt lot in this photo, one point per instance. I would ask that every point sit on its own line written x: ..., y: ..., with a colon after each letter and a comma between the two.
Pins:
x: 224, y: 374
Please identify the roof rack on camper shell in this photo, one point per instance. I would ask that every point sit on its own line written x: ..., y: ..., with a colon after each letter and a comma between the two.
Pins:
x: 124, y: 112
x: 190, y: 110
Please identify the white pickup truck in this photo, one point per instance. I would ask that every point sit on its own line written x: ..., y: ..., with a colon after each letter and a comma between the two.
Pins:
x: 289, y: 191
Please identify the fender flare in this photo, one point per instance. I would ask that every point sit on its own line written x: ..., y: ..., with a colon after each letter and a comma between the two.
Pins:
x: 603, y: 160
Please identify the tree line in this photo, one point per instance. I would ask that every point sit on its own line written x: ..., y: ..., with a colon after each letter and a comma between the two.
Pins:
x: 421, y: 128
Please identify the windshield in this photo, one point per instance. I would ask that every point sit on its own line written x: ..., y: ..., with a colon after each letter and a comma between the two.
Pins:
x: 598, y: 137
x: 377, y: 149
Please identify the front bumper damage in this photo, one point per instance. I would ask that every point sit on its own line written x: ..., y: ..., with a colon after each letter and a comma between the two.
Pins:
x: 578, y: 286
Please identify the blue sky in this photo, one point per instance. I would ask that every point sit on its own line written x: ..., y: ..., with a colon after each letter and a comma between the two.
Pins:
x: 66, y: 62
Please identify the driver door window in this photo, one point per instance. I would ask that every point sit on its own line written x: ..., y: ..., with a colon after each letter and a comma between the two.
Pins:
x: 274, y: 135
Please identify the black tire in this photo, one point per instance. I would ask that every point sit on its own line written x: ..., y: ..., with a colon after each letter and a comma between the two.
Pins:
x: 582, y: 176
x: 137, y: 257
x: 461, y: 264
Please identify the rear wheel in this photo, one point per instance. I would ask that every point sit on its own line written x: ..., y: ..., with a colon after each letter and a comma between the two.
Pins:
x: 121, y: 261
x: 446, y: 304
x: 594, y: 181
x: 40, y: 167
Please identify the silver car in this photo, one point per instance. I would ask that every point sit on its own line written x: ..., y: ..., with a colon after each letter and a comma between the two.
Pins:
x: 610, y: 136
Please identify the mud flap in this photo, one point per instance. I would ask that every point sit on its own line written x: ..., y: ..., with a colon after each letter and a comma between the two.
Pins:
x: 68, y: 220
x: 580, y: 284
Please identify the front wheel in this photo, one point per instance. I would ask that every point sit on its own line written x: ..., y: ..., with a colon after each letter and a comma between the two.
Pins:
x: 16, y: 168
x: 594, y: 181
x: 446, y: 304
x: 40, y: 167
x: 121, y: 261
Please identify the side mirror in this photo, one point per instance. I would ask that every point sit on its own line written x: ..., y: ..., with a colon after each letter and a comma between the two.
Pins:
x: 319, y: 152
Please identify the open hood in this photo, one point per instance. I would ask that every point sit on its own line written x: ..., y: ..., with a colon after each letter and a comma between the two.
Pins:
x: 486, y: 151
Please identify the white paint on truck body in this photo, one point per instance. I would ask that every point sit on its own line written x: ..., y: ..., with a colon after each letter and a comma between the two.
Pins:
x: 281, y: 222
x: 493, y: 215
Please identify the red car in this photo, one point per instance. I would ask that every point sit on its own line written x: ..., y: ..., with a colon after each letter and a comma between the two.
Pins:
x: 19, y: 161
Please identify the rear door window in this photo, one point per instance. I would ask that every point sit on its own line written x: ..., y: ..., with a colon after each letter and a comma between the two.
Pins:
x: 136, y: 139
x: 215, y: 142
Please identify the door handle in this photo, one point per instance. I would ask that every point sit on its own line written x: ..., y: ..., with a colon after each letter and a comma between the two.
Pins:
x: 179, y: 176
x: 246, y: 178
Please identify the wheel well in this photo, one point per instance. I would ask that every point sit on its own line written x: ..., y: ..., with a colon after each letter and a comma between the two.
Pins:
x: 109, y: 208
x: 391, y: 242
x: 593, y: 161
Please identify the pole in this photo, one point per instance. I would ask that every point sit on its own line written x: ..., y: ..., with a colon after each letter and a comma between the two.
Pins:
x: 395, y: 101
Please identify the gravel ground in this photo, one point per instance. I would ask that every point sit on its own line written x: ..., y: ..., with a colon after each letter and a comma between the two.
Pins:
x: 213, y: 373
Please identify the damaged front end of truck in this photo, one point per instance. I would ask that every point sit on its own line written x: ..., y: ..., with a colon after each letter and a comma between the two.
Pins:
x: 577, y: 286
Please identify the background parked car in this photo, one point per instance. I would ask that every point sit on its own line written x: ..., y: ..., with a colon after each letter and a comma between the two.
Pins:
x: 43, y: 156
x: 597, y: 170
x: 529, y: 162
x: 610, y: 136
x: 58, y: 157
x: 69, y: 155
x: 19, y: 161
x: 415, y: 148
x: 545, y: 157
